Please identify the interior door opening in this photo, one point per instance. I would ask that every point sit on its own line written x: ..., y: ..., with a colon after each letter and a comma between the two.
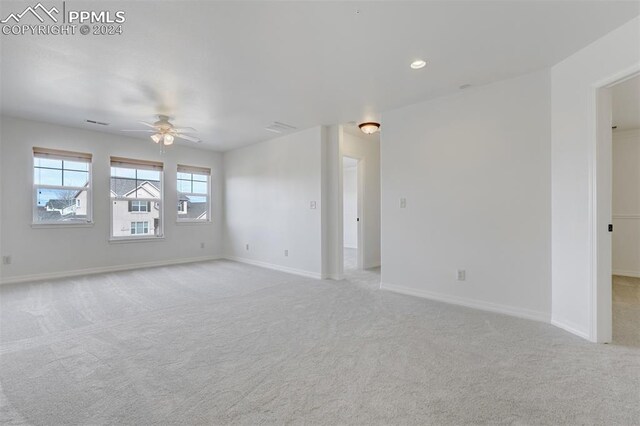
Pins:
x: 352, y: 246
x: 625, y: 211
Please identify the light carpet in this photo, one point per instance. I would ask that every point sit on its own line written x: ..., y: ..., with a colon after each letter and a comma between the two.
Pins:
x: 226, y: 343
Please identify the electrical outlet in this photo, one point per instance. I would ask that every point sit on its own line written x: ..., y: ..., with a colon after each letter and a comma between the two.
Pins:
x: 246, y: 247
x: 403, y: 203
x: 286, y: 253
x: 313, y: 205
x: 6, y: 260
x: 201, y: 245
x: 462, y: 275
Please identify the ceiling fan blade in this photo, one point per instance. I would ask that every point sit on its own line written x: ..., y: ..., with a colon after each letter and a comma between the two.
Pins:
x: 131, y: 130
x: 187, y: 138
x: 184, y: 129
x: 147, y: 124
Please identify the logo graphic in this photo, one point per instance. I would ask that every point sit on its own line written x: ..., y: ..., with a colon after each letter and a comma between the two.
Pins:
x: 43, y: 21
x: 34, y: 11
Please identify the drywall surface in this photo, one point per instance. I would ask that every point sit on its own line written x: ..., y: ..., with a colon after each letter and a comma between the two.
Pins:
x: 57, y: 251
x: 273, y: 203
x: 474, y: 169
x: 626, y: 203
x: 367, y: 151
x: 573, y: 89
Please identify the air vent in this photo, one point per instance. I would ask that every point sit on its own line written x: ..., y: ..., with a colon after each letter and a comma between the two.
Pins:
x: 278, y: 127
x: 101, y: 123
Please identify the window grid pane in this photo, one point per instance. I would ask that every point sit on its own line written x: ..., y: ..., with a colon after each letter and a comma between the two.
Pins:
x: 136, y: 194
x: 193, y: 196
x: 61, y: 190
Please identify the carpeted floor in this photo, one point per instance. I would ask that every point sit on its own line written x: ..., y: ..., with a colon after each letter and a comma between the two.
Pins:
x: 350, y: 258
x: 626, y: 311
x: 222, y: 342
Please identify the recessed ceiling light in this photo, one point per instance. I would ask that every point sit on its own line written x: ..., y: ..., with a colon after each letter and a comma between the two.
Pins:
x: 417, y: 64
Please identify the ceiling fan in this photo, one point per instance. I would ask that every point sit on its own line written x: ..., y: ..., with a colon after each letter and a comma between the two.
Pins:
x: 164, y: 132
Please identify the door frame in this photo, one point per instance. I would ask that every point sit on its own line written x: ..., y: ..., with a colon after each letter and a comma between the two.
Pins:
x: 600, y: 206
x: 360, y: 165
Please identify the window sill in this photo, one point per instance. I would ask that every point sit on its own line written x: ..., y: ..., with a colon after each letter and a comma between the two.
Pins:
x: 193, y: 222
x: 124, y: 240
x: 51, y: 225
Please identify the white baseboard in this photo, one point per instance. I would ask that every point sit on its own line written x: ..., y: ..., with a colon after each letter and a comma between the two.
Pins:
x: 275, y: 267
x: 633, y: 274
x: 469, y: 303
x: 103, y: 269
x: 570, y: 327
x: 350, y: 247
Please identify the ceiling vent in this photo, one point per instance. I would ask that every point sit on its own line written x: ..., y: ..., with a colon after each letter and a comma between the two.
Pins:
x: 278, y: 127
x: 101, y: 123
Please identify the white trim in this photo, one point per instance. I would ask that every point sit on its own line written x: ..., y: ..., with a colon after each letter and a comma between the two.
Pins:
x: 620, y: 272
x: 469, y: 303
x: 626, y: 134
x: 626, y: 216
x: 569, y: 327
x: 103, y: 269
x: 193, y: 222
x: 119, y: 240
x: 61, y: 225
x: 275, y: 267
x: 334, y: 277
x: 599, y: 203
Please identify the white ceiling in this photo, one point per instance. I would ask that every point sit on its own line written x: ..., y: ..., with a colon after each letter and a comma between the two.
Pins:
x: 625, y: 98
x: 230, y: 69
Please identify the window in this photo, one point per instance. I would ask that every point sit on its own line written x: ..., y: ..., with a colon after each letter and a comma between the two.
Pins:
x: 136, y: 199
x: 139, y: 206
x: 61, y: 187
x: 193, y: 194
x: 139, y: 228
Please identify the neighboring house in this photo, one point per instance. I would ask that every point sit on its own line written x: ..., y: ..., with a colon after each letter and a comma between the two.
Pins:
x: 137, y: 208
x: 190, y: 210
x: 61, y: 209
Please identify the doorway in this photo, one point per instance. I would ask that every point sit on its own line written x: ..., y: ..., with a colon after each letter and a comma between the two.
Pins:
x: 605, y: 214
x: 352, y: 214
x: 625, y: 211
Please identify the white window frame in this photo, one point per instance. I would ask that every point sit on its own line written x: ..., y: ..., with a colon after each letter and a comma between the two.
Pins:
x: 140, y: 203
x: 55, y: 154
x: 199, y: 171
x: 138, y: 165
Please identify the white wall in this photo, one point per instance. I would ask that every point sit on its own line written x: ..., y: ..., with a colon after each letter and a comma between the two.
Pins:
x: 269, y: 188
x: 626, y: 203
x: 52, y: 251
x: 475, y: 171
x: 573, y: 83
x: 367, y: 150
x: 350, y: 206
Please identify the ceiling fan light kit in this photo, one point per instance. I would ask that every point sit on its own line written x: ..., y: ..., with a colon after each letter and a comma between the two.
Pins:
x: 370, y: 127
x: 164, y: 132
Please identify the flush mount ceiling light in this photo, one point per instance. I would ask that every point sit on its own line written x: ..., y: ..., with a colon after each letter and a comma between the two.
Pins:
x: 417, y: 64
x: 369, y: 127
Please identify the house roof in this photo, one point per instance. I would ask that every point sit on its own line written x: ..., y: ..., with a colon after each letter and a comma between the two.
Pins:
x: 60, y: 204
x: 121, y: 187
x: 195, y: 210
x: 46, y: 216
